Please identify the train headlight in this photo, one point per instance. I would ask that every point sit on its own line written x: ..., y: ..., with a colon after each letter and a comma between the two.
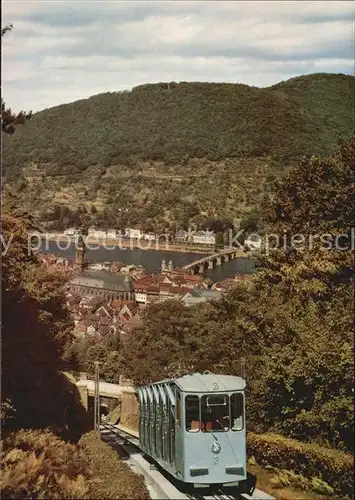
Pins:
x: 216, y: 448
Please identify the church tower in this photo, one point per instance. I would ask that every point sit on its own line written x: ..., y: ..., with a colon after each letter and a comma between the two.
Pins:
x: 171, y: 265
x: 80, y: 255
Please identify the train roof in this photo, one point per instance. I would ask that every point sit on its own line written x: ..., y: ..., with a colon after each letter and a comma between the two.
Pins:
x: 207, y: 382
x: 203, y: 382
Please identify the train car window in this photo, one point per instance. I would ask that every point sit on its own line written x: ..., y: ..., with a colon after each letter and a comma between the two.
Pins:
x: 217, y: 400
x: 178, y: 409
x: 215, y: 413
x: 192, y: 413
x: 237, y: 411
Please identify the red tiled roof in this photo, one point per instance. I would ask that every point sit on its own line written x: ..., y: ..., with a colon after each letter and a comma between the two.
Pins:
x: 116, y: 303
x: 143, y: 284
x: 172, y: 290
x: 131, y: 324
x: 132, y: 306
x: 47, y: 257
x: 103, y: 310
x: 81, y: 326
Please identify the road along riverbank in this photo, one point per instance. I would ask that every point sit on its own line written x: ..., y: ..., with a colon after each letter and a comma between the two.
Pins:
x: 162, y: 246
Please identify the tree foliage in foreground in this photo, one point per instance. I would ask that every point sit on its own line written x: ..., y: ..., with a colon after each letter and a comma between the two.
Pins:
x: 294, y: 324
x: 36, y: 464
x: 36, y: 329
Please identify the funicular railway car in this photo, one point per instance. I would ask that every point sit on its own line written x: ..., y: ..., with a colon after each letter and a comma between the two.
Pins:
x: 194, y: 427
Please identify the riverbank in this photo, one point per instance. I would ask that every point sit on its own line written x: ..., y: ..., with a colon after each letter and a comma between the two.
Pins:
x: 131, y: 244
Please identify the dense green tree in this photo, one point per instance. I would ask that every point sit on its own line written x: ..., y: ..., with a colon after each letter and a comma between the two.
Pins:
x: 112, y: 367
x: 145, y: 356
x: 250, y: 223
x: 36, y: 326
x: 36, y: 329
x: 219, y: 240
x: 305, y: 387
x: 97, y: 352
x: 317, y: 196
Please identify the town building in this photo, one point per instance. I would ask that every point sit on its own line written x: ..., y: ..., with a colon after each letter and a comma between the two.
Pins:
x: 99, y: 266
x: 181, y: 236
x: 141, y: 294
x: 135, y: 234
x: 204, y: 238
x: 196, y: 296
x: 80, y: 255
x: 72, y: 231
x: 111, y: 234
x: 100, y: 283
x: 101, y: 319
x: 96, y: 233
x: 224, y: 285
x: 149, y: 237
x: 168, y: 285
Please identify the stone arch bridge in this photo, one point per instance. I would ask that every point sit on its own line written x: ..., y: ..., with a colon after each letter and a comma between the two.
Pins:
x: 211, y: 261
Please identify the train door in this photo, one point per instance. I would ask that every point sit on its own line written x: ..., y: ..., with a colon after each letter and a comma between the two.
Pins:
x: 164, y: 424
x: 179, y: 432
x: 158, y: 430
x: 142, y: 417
x: 151, y: 432
x: 166, y: 433
x: 171, y: 425
x: 171, y: 442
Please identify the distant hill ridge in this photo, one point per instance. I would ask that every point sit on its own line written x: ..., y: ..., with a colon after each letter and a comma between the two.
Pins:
x: 173, y: 122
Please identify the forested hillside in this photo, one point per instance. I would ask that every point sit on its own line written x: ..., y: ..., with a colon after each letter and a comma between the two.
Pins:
x: 213, y: 149
x: 171, y: 122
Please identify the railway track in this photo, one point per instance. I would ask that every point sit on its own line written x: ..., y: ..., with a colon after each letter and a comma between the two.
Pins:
x: 159, y: 483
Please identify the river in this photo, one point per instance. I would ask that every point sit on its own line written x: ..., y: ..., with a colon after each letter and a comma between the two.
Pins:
x: 151, y: 259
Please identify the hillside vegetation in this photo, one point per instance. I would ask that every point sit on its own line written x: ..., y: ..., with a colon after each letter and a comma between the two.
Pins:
x: 212, y: 150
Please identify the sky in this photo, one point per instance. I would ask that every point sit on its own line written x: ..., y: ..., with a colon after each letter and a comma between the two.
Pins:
x: 62, y: 51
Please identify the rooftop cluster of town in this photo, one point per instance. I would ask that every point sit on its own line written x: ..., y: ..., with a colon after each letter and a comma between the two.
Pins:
x: 109, y: 298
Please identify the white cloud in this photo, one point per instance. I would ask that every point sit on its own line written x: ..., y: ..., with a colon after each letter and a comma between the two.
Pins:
x: 60, y: 51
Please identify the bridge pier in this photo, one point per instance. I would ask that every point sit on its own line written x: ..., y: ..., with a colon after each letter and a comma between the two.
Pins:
x: 84, y: 397
x: 200, y: 266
